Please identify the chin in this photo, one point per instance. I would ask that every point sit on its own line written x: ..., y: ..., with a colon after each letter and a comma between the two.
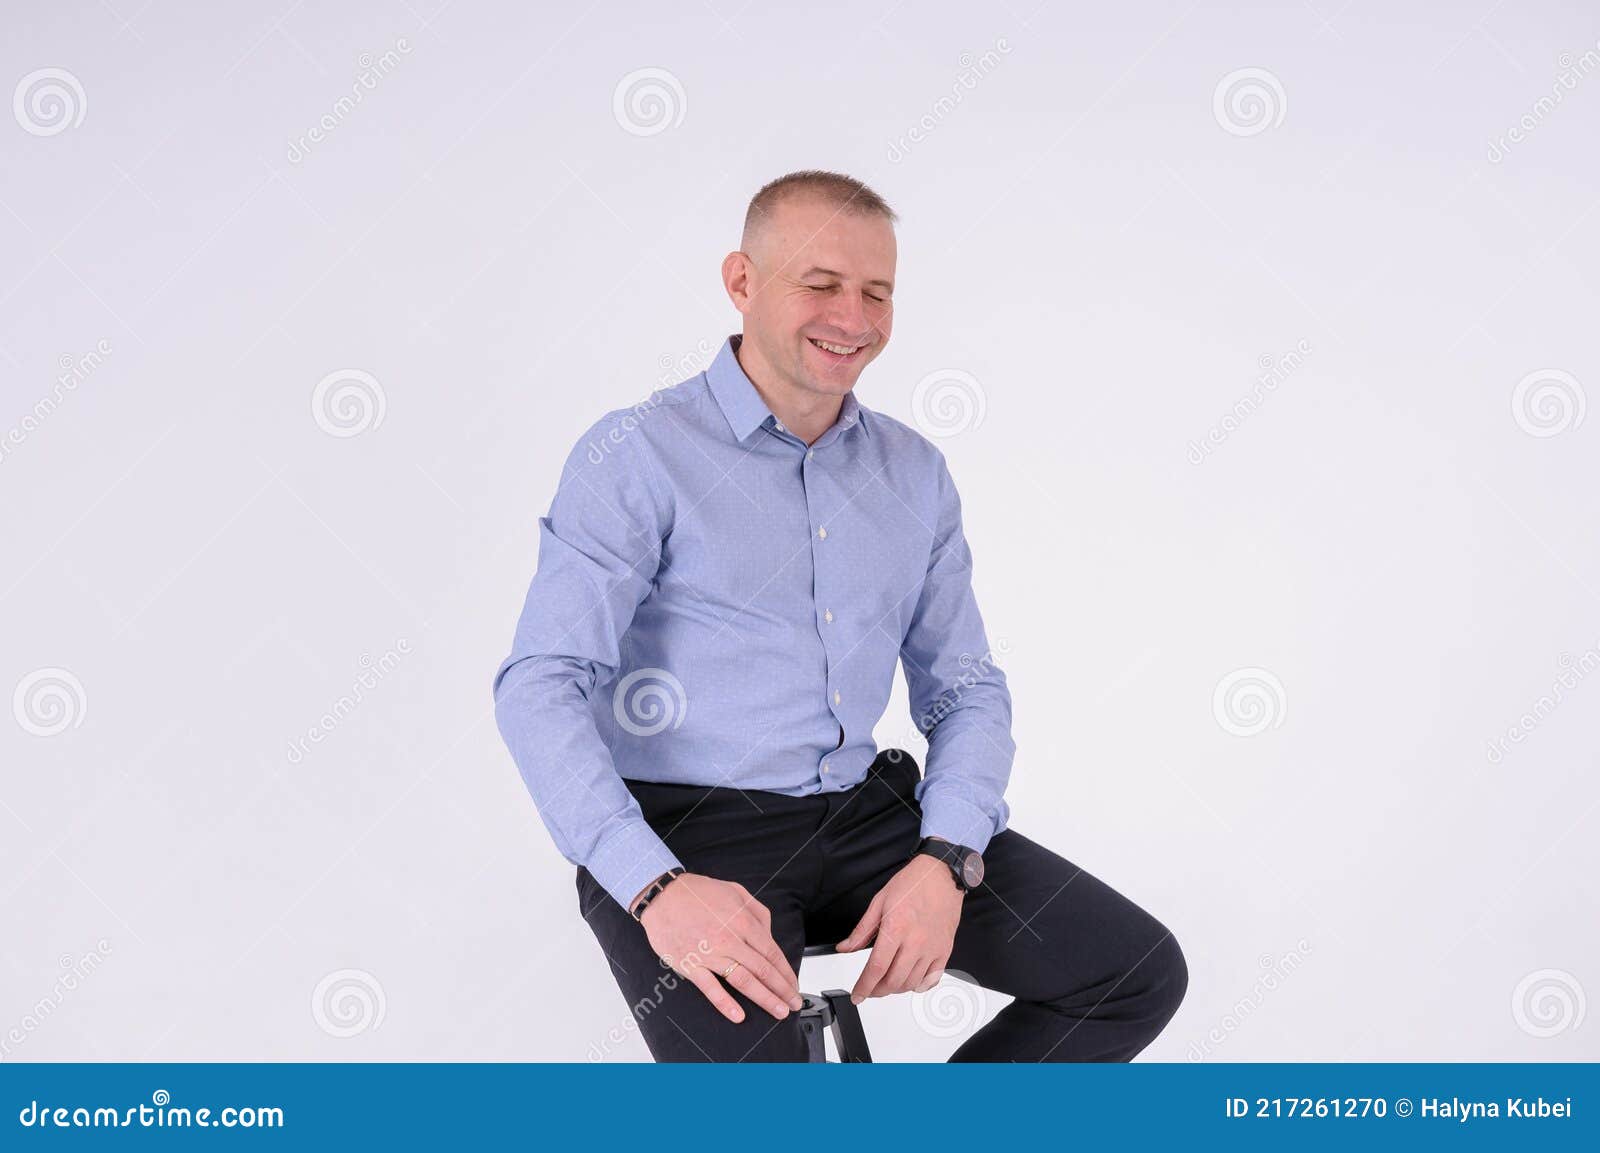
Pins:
x: 833, y: 384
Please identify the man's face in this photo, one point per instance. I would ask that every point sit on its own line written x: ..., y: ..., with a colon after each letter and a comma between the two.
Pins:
x: 818, y: 275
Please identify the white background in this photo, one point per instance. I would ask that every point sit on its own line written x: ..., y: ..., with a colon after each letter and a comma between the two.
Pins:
x: 1107, y: 253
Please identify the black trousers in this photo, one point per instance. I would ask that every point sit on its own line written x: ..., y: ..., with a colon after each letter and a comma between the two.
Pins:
x: 1094, y: 977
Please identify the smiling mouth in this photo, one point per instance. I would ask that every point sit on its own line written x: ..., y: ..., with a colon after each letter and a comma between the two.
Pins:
x: 837, y: 353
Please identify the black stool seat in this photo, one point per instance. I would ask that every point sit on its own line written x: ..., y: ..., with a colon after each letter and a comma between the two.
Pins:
x: 833, y: 1010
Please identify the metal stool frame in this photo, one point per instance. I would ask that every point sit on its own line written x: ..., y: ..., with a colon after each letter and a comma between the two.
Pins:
x: 832, y: 1010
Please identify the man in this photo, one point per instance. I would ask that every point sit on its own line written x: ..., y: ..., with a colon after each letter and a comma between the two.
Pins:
x: 727, y: 577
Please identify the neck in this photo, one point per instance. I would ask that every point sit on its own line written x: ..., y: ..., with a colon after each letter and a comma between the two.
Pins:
x: 806, y: 414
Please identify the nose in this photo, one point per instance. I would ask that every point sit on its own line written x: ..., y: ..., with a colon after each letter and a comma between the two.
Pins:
x: 849, y: 314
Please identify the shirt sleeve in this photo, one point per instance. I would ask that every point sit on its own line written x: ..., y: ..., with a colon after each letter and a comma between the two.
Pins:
x: 959, y: 696
x: 599, y: 550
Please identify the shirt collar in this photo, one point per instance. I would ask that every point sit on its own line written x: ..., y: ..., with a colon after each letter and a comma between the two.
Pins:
x: 742, y: 404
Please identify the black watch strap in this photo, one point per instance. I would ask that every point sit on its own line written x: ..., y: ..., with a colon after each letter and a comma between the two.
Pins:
x: 966, y: 865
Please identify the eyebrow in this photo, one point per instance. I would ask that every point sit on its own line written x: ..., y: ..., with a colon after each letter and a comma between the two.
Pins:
x: 830, y: 272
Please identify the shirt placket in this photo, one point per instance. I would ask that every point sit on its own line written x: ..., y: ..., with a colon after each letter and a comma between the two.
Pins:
x: 821, y: 567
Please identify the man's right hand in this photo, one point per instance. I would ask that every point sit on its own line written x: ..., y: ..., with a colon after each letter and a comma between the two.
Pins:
x: 699, y: 926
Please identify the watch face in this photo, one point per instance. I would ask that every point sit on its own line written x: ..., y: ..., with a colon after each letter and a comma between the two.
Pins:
x: 972, y: 870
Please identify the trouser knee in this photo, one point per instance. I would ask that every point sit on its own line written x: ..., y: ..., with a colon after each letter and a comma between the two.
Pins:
x: 1162, y: 979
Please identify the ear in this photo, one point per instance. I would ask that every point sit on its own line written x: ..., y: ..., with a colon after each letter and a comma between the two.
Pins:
x: 738, y: 278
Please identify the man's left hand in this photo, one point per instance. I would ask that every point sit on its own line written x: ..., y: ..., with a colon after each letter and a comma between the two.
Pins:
x: 915, y: 917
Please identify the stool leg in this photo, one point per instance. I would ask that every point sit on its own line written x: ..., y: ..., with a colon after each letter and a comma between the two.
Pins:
x: 815, y: 1016
x: 849, y: 1037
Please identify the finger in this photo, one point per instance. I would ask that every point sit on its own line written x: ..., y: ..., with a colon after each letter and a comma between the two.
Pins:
x: 864, y: 927
x: 772, y: 981
x: 906, y: 962
x: 779, y: 977
x: 758, y: 933
x: 877, y: 968
x: 919, y: 980
x: 759, y: 937
x: 753, y: 987
x: 706, y: 981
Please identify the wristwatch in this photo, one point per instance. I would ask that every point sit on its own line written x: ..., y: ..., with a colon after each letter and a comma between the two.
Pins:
x: 966, y: 865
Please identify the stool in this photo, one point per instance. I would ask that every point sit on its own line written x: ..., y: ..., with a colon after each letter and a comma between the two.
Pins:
x: 832, y: 1009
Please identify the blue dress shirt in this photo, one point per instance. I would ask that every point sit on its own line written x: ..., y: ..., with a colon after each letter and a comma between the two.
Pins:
x: 717, y: 603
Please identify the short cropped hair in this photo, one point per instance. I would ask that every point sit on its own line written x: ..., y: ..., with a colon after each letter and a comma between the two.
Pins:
x: 841, y: 191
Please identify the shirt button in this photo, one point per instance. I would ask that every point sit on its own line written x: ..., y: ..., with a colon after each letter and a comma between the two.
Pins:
x: 811, y: 452
x: 828, y: 616
x: 835, y: 696
x: 824, y: 766
x: 823, y: 533
x: 778, y: 424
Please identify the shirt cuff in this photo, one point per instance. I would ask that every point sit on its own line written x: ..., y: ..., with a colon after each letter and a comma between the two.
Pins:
x: 630, y: 859
x: 956, y: 820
